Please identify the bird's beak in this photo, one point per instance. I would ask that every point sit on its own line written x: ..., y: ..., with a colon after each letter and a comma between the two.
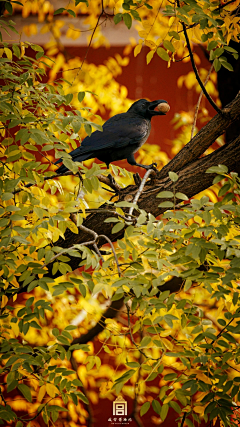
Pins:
x: 158, y: 108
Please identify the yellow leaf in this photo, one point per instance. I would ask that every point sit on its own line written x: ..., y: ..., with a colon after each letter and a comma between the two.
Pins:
x: 15, y: 329
x: 203, y: 377
x: 170, y: 397
x: 41, y: 393
x: 117, y: 350
x: 72, y: 227
x: 4, y: 301
x: 198, y: 409
x: 143, y: 34
x: 200, y: 396
x: 22, y: 49
x: 126, y: 288
x: 8, y: 53
x: 171, y: 21
x: 51, y: 390
x: 137, y: 49
x: 150, y: 44
x: 108, y: 321
x: 167, y: 343
x: 198, y: 219
x: 34, y: 384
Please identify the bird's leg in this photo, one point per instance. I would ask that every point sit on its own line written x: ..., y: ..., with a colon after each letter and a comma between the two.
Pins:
x: 133, y: 162
x: 137, y: 179
x: 113, y: 183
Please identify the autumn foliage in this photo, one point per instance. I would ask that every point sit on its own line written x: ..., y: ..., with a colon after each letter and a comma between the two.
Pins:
x: 105, y: 292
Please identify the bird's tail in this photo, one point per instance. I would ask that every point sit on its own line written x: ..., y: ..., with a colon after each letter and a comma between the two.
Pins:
x: 76, y: 158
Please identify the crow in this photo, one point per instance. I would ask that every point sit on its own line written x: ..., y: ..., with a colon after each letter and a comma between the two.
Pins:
x: 121, y: 137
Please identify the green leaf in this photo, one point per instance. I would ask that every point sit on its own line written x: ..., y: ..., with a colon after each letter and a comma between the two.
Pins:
x: 8, y: 7
x: 81, y: 96
x: 55, y: 332
x: 16, y: 51
x: 163, y: 54
x: 216, y: 64
x: 37, y: 48
x: 25, y: 390
x: 164, y: 412
x: 145, y: 407
x: 212, y: 45
x: 156, y: 406
x: 145, y: 341
x: 226, y: 65
x: 173, y: 176
x: 119, y: 226
x: 168, y: 45
x: 82, y: 397
x: 135, y: 15
x: 81, y: 1
x: 189, y: 422
x: 68, y: 98
x: 58, y: 11
x: 82, y: 347
x: 117, y: 18
x: 82, y: 289
x: 174, y: 34
x: 175, y: 406
x: 127, y: 20
x: 181, y: 196
x: 166, y: 204
x: 224, y: 189
x: 165, y: 194
x: 170, y: 377
x: 71, y: 12
x: 220, y: 169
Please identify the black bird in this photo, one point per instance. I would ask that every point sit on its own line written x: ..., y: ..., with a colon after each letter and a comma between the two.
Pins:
x: 122, y: 135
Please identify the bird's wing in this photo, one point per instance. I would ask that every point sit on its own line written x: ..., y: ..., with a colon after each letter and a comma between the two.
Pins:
x: 119, y: 131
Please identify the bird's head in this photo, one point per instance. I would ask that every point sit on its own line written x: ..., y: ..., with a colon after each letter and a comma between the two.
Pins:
x: 149, y: 109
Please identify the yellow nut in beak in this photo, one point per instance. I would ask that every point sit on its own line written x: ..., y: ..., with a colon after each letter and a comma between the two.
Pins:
x: 163, y: 107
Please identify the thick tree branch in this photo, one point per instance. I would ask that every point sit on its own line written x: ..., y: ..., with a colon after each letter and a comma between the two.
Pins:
x: 204, y: 138
x: 110, y: 313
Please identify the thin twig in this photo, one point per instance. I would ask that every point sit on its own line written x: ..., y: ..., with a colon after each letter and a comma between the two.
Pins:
x: 199, y: 102
x: 90, y: 242
x: 112, y: 212
x: 98, y: 251
x: 114, y: 253
x: 90, y: 42
x: 183, y: 419
x: 102, y: 178
x: 134, y: 413
x: 131, y: 335
x: 214, y: 105
x: 140, y: 190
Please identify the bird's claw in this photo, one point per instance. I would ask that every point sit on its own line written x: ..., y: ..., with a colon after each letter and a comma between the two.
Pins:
x: 113, y: 183
x: 137, y: 179
x: 153, y: 166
